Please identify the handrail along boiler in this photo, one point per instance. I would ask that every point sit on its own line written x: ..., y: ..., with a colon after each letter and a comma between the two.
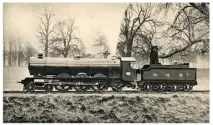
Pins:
x: 83, y: 74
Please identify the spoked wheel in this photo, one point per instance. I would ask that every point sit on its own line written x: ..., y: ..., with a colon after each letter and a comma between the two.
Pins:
x: 95, y: 88
x: 66, y: 87
x: 48, y: 87
x: 58, y: 87
x: 62, y: 87
x: 178, y: 88
x: 30, y: 87
x: 117, y: 86
x: 80, y: 88
x: 148, y: 87
x: 190, y: 87
x: 101, y: 85
x: 174, y: 88
x: 156, y: 87
x: 169, y: 88
x: 186, y: 87
x: 162, y: 87
x: 142, y: 88
x: 181, y: 87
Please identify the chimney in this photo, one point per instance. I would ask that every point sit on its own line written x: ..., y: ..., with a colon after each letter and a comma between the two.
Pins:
x: 40, y: 55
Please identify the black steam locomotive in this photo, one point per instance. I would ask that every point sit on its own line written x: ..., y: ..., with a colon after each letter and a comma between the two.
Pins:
x: 64, y: 74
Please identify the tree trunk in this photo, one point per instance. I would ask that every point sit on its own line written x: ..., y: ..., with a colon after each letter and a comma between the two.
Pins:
x: 4, y: 58
x: 10, y: 59
x: 19, y: 60
x: 65, y: 55
x: 46, y: 47
x: 129, y: 48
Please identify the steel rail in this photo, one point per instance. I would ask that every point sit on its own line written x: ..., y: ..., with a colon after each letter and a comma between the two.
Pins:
x: 103, y: 92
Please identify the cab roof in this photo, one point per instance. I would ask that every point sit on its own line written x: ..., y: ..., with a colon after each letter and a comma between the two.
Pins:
x: 128, y: 59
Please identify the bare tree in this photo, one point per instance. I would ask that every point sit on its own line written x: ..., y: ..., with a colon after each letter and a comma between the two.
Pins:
x: 189, y: 31
x: 13, y: 50
x: 46, y: 27
x: 187, y: 34
x: 29, y: 51
x: 139, y: 24
x: 14, y: 53
x: 10, y: 51
x: 65, y: 42
x: 20, y: 53
x: 203, y: 8
x: 5, y: 52
x: 101, y: 46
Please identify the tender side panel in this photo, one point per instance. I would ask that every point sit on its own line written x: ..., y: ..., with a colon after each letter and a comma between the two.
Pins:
x: 170, y: 74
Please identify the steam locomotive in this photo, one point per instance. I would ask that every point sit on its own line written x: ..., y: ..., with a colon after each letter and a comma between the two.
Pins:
x: 82, y: 74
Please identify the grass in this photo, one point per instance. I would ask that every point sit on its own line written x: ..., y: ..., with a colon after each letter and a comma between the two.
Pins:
x: 136, y: 108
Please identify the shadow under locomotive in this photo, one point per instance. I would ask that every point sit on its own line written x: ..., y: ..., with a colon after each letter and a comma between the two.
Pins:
x: 84, y: 74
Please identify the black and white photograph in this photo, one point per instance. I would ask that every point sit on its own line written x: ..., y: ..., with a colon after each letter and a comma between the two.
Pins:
x: 106, y: 62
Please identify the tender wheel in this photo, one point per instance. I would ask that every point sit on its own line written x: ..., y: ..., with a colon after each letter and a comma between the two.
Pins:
x: 186, y: 87
x: 156, y: 87
x: 30, y: 87
x: 169, y: 88
x: 175, y: 88
x: 48, y: 87
x: 148, y: 87
x: 181, y: 87
x: 142, y: 88
x: 162, y: 87
x: 190, y: 87
x: 117, y: 86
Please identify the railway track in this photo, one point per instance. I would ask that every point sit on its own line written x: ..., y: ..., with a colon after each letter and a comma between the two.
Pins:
x: 102, y: 92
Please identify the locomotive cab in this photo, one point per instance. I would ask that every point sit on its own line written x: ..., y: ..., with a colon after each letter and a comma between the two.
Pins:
x: 129, y: 69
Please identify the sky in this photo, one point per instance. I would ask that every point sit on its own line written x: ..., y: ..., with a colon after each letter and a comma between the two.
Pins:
x: 21, y: 19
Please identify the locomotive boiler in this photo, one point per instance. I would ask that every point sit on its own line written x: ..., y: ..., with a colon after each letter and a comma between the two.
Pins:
x: 85, y: 74
x: 80, y: 73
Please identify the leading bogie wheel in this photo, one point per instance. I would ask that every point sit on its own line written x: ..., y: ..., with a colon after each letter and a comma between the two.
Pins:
x: 30, y: 87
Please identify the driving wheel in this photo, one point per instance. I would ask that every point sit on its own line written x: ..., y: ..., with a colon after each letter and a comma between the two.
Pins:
x: 117, y: 86
x: 48, y: 87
